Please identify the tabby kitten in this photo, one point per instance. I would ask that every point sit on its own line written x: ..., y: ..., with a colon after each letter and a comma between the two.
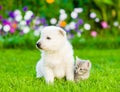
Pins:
x: 82, y: 69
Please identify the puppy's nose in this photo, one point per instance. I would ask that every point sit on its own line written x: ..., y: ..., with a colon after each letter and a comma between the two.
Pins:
x: 38, y: 44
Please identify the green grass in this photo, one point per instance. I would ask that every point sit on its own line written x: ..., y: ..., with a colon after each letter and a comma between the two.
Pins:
x: 17, y: 72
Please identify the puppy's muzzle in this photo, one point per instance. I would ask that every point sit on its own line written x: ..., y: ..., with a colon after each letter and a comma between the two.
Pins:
x: 39, y: 45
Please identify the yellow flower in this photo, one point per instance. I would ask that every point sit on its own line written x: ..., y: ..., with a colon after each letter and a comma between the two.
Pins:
x: 62, y: 23
x: 50, y: 1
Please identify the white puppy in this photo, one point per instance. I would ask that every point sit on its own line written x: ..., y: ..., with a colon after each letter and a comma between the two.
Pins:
x: 57, y: 55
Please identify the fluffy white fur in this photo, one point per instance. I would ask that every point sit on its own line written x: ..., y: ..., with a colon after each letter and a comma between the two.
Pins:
x: 56, y: 55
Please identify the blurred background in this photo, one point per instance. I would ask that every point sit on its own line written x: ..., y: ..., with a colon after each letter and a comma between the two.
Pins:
x: 88, y: 23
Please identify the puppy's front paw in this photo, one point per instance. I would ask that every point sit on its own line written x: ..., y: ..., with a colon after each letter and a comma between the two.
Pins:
x: 70, y: 78
x: 70, y: 74
x: 49, y: 80
x: 49, y: 77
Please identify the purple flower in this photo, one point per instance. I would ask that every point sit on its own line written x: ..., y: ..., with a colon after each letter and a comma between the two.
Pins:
x: 32, y: 16
x: 35, y: 27
x: 28, y: 22
x: 0, y: 17
x: 0, y: 7
x: 25, y: 8
x: 43, y: 20
x: 70, y: 36
x: 79, y: 31
x: 67, y: 31
x: 11, y: 14
x: 37, y: 22
x: 45, y: 24
x: 80, y: 21
x: 5, y: 22
x: 76, y: 26
x: 21, y: 32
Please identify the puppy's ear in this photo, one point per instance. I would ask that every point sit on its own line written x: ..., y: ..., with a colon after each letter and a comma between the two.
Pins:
x: 62, y: 32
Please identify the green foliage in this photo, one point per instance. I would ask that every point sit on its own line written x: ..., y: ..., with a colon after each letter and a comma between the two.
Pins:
x: 41, y: 8
x: 17, y: 72
x: 96, y: 43
x: 18, y: 41
x: 107, y: 10
x: 108, y: 5
x: 28, y: 41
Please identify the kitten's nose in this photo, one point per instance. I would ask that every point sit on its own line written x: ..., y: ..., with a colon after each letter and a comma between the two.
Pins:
x: 38, y: 44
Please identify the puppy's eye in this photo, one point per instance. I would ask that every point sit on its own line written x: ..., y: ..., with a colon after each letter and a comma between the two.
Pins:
x: 48, y: 38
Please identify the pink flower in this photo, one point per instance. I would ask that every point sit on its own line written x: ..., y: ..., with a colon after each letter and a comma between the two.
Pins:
x: 104, y: 24
x: 93, y: 33
x: 12, y: 30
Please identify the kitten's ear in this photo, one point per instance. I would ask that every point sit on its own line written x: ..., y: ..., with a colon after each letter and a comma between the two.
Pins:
x: 77, y: 58
x: 88, y: 64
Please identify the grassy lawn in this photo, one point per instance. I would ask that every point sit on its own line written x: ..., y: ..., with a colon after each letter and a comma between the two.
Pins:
x: 17, y: 72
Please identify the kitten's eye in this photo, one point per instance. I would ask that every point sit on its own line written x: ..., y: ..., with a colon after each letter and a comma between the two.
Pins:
x: 48, y: 38
x: 80, y: 69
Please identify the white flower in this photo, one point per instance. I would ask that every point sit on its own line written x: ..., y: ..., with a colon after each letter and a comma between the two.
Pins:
x: 6, y: 28
x: 28, y: 15
x: 97, y: 20
x: 38, y: 30
x: 0, y: 26
x: 74, y: 15
x: 17, y: 12
x: 10, y: 19
x: 18, y: 18
x: 116, y: 23
x: 22, y: 23
x: 92, y: 15
x: 78, y: 34
x: 36, y: 33
x: 87, y: 26
x: 72, y: 25
x: 67, y: 27
x: 62, y: 11
x: 78, y: 10
x: 63, y: 16
x: 53, y: 20
x: 26, y: 29
x: 36, y: 20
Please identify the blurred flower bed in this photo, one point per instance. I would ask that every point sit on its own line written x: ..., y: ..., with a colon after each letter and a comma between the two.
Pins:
x: 84, y: 26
